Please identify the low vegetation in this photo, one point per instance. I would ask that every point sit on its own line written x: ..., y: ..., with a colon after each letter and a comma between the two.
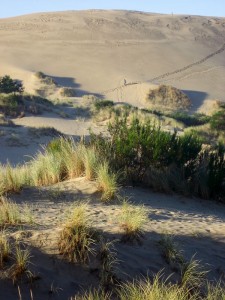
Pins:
x: 77, y: 239
x: 132, y: 220
x: 138, y: 148
x: 13, y: 214
x: 107, y: 182
x: 17, y: 105
x: 169, y: 97
x: 9, y: 85
x: 170, y: 250
x: 217, y: 121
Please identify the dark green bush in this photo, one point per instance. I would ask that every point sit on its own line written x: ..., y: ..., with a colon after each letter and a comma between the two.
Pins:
x: 11, y: 104
x: 100, y: 104
x: 190, y: 120
x: 8, y: 85
x: 144, y: 153
x: 218, y: 121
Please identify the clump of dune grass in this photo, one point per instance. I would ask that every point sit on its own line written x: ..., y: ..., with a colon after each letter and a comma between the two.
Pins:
x: 169, y: 97
x: 5, y: 250
x: 67, y: 92
x: 170, y: 249
x: 108, y: 262
x: 93, y: 295
x: 73, y: 157
x: 132, y: 218
x: 107, y: 182
x: 9, y: 213
x: 77, y: 238
x: 12, y: 179
x: 91, y: 161
x: 46, y: 169
x: 215, y: 292
x: 13, y: 214
x: 22, y: 261
x: 147, y: 290
x: 192, y: 275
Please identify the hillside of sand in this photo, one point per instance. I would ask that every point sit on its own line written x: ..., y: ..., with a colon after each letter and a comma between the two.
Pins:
x: 95, y: 51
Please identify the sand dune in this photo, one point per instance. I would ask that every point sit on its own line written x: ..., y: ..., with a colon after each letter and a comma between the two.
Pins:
x: 94, y: 51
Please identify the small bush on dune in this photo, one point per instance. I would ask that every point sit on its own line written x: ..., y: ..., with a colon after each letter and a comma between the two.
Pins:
x: 100, y: 104
x: 67, y: 92
x: 11, y: 104
x: 190, y: 120
x: 168, y: 96
x: 8, y: 85
x: 217, y: 121
x: 132, y: 219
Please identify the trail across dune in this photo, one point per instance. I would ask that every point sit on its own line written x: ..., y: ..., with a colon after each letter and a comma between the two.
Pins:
x: 168, y: 74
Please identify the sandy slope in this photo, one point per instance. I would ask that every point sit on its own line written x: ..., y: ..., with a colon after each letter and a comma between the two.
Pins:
x: 198, y: 227
x: 94, y: 51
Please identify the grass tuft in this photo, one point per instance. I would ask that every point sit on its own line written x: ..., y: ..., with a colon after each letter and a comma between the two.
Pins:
x: 132, y: 219
x: 192, y: 275
x: 77, y: 239
x: 170, y: 249
x: 107, y: 182
x: 21, y: 265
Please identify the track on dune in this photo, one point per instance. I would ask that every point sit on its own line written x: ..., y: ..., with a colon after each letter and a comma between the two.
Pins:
x: 165, y: 75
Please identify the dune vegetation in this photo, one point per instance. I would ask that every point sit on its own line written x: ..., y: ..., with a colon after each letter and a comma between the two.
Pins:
x: 136, y: 151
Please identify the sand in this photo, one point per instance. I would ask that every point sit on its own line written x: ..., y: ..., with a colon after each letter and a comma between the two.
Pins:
x: 198, y: 228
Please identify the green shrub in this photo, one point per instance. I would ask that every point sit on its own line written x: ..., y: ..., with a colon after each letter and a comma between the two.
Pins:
x: 137, y: 149
x: 8, y: 85
x: 100, y: 104
x: 218, y: 120
x: 190, y: 120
